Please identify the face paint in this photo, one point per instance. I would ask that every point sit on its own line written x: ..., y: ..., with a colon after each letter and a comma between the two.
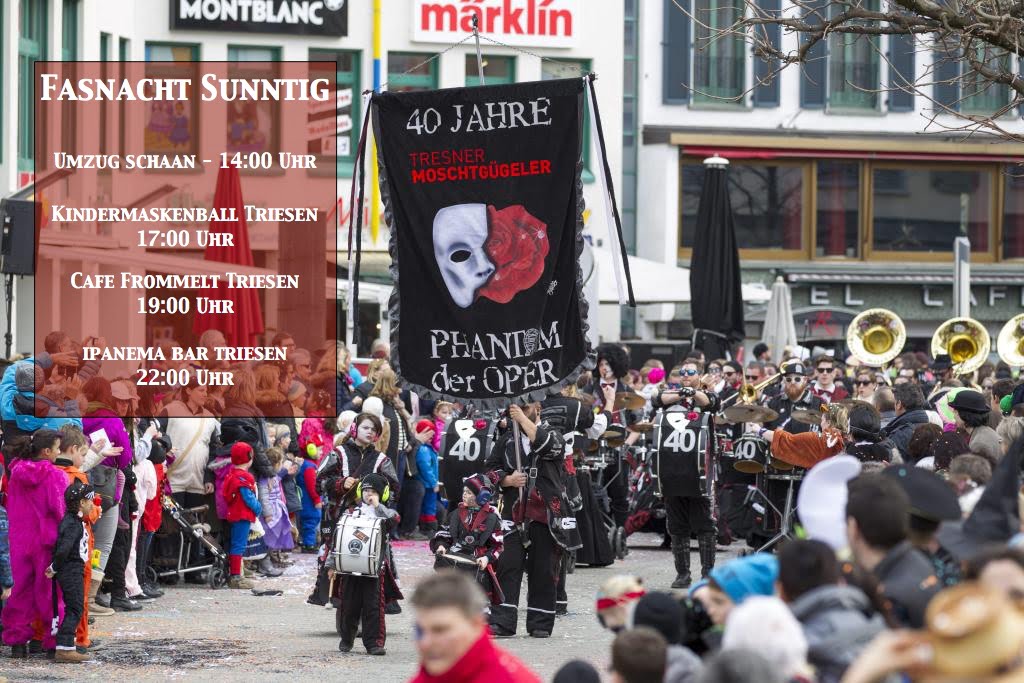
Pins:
x: 460, y: 232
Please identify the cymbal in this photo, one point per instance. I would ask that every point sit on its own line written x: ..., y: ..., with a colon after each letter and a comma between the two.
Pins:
x: 748, y: 412
x: 642, y: 427
x: 627, y: 400
x: 806, y: 416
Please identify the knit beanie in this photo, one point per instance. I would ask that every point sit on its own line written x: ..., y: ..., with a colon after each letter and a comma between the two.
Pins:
x: 661, y: 612
x: 478, y: 483
x: 424, y: 426
x: 241, y: 453
x: 577, y: 671
x: 751, y: 575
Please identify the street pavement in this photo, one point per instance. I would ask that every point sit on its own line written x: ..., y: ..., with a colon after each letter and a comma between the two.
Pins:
x: 194, y: 633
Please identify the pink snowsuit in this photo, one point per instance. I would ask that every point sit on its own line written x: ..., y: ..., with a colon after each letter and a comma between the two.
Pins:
x: 35, y: 505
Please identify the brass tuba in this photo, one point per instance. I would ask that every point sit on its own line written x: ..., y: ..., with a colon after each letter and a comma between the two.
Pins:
x: 876, y: 336
x: 1010, y: 342
x: 965, y: 341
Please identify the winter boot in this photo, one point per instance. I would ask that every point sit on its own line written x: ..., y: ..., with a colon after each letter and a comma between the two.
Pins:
x: 707, y: 548
x: 681, y: 556
x: 240, y: 582
x: 267, y: 568
x: 71, y: 656
x: 96, y: 608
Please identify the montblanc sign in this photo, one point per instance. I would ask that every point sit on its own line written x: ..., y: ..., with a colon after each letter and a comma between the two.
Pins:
x: 296, y: 17
x: 527, y: 23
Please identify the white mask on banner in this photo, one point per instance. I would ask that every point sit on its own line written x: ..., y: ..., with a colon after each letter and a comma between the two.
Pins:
x: 460, y: 232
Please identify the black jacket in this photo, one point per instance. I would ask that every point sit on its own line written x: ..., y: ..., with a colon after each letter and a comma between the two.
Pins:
x: 67, y: 551
x: 908, y: 583
x: 784, y: 407
x: 244, y: 422
x: 547, y: 455
x: 902, y: 428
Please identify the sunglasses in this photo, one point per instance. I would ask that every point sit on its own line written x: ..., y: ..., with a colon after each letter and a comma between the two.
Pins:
x: 824, y: 369
x: 715, y: 371
x: 728, y: 373
x: 688, y: 373
x: 753, y: 377
x: 863, y: 382
x: 794, y: 380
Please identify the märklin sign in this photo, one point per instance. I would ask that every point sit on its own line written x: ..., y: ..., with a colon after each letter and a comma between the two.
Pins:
x: 297, y: 17
x: 482, y: 191
x: 527, y: 23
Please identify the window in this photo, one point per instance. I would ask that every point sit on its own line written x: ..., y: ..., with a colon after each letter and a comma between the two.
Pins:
x: 922, y: 209
x: 69, y: 31
x: 497, y: 70
x: 122, y: 56
x: 122, y: 49
x: 171, y: 127
x: 1013, y: 212
x: 171, y: 52
x: 573, y: 68
x: 31, y: 49
x: 838, y: 208
x: 959, y: 87
x: 411, y: 71
x: 241, y: 53
x: 253, y: 126
x: 718, y: 62
x: 853, y: 68
x: 675, y: 55
x: 349, y: 117
x: 767, y: 205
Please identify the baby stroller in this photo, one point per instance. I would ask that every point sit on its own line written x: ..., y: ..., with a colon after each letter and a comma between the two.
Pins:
x: 184, y: 536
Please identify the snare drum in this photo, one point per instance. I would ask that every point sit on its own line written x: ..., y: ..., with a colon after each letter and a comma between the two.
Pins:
x: 751, y: 454
x: 358, y: 545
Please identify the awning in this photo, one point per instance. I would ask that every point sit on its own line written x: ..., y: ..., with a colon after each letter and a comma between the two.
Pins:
x: 977, y: 278
x: 826, y: 153
x: 657, y: 283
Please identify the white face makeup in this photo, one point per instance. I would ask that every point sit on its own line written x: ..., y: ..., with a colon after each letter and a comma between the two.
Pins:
x: 366, y: 432
x: 460, y: 232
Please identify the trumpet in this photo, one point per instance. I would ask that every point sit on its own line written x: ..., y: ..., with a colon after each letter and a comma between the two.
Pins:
x: 748, y: 393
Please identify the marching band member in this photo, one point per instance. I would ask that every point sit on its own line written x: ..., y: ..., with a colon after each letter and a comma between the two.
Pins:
x: 363, y: 597
x: 474, y: 528
x: 809, y: 448
x: 686, y: 508
x: 612, y: 366
x: 536, y: 519
x: 795, y: 396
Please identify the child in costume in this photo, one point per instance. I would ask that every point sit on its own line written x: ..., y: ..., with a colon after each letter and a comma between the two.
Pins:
x: 275, y: 511
x: 70, y: 555
x: 243, y: 507
x: 426, y: 472
x: 363, y: 597
x: 441, y: 415
x: 35, y: 506
x: 6, y: 579
x: 473, y: 529
x: 309, y: 516
x: 73, y: 449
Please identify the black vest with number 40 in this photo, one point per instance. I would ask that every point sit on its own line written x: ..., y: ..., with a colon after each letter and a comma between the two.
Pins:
x: 681, y: 446
x: 464, y: 448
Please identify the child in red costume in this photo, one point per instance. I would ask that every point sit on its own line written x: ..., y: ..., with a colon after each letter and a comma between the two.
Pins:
x: 243, y: 505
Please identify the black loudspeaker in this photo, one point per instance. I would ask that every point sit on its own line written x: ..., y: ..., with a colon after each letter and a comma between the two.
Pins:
x: 19, y: 236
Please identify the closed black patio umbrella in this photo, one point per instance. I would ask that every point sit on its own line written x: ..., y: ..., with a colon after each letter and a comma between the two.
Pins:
x: 716, y: 298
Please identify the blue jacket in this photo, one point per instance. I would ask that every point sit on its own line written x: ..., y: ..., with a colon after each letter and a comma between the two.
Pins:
x: 25, y: 420
x: 426, y: 463
x: 6, y: 578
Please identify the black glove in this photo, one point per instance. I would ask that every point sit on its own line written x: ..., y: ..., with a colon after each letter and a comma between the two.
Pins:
x: 687, y: 392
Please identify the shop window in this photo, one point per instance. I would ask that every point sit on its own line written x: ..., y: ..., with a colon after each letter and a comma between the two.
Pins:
x: 498, y: 70
x: 921, y: 210
x: 718, y: 61
x: 838, y: 208
x: 573, y: 68
x: 1013, y: 212
x: 349, y: 116
x: 409, y: 71
x: 767, y: 205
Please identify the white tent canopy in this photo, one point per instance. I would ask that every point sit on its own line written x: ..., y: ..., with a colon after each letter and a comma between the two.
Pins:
x: 657, y: 283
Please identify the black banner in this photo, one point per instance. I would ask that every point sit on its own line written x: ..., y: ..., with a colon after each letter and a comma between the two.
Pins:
x: 295, y: 17
x: 482, y: 191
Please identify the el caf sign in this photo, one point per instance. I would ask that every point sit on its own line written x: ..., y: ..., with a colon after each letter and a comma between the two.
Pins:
x: 529, y: 23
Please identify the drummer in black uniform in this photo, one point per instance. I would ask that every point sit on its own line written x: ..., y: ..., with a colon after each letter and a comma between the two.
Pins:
x: 687, y: 509
x: 796, y: 397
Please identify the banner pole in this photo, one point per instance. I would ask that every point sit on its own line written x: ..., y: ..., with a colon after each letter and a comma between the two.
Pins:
x: 374, y: 179
x: 479, y: 57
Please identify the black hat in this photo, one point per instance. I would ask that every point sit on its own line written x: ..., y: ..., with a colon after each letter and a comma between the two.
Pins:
x: 941, y: 362
x: 794, y: 367
x: 374, y: 482
x: 75, y: 492
x: 930, y: 496
x: 970, y: 401
x: 661, y: 612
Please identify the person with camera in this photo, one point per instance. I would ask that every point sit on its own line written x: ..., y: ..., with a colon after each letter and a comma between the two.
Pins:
x: 688, y: 510
x: 527, y: 462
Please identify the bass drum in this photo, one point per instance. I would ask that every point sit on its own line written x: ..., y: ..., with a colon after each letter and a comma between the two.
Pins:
x: 750, y: 454
x: 682, y: 462
x: 465, y: 446
x: 357, y: 545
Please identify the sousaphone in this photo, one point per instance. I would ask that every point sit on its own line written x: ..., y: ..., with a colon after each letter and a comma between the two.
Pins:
x: 965, y: 341
x: 876, y: 336
x: 1010, y: 342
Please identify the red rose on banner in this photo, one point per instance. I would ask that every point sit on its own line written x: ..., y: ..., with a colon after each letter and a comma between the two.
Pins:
x: 517, y: 244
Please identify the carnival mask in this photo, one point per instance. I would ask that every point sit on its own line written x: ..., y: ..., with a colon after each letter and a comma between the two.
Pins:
x: 460, y: 232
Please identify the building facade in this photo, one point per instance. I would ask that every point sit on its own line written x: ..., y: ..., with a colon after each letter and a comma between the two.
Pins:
x: 837, y: 182
x: 528, y: 41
